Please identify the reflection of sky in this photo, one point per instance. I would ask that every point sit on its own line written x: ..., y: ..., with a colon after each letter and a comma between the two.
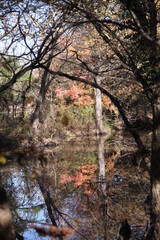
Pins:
x: 76, y: 215
x: 27, y: 200
x: 31, y: 232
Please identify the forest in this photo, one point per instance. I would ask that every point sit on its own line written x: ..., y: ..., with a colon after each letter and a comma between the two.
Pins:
x: 80, y: 119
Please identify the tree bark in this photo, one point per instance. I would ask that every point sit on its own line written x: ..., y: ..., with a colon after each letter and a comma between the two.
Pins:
x: 98, y: 109
x: 38, y: 113
x: 155, y: 167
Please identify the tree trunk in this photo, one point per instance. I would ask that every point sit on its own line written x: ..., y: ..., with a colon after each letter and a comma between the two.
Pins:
x: 38, y: 113
x: 155, y: 167
x: 98, y: 108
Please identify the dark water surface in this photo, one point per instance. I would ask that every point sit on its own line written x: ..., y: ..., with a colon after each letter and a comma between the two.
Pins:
x: 85, y: 185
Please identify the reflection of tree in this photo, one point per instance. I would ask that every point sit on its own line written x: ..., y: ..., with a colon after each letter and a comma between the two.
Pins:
x: 117, y: 199
x: 45, y: 192
x: 102, y: 180
x: 66, y: 193
x: 48, y: 203
x: 28, y: 199
x: 22, y: 195
x: 56, y: 216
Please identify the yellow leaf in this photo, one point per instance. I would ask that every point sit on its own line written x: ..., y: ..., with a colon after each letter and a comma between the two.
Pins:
x: 30, y: 99
x: 65, y: 120
x: 33, y: 175
x: 3, y: 159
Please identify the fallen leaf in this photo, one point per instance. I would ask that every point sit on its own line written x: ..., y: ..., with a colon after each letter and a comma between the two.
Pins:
x: 3, y: 159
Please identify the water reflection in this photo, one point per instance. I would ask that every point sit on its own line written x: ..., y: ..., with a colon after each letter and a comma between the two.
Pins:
x: 90, y: 190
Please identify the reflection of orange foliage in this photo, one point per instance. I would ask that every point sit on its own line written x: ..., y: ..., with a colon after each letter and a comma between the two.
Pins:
x: 88, y: 169
x: 81, y: 177
x: 64, y: 178
x: 87, y: 190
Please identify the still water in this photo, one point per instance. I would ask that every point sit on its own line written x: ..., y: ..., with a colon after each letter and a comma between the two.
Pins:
x: 87, y: 186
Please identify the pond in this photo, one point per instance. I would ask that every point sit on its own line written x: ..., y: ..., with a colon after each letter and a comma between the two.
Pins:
x: 86, y: 188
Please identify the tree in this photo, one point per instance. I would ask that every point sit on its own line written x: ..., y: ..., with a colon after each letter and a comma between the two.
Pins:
x: 84, y: 58
x: 132, y: 34
x: 25, y: 38
x: 12, y: 99
x: 39, y: 39
x: 39, y: 111
x: 141, y: 20
x: 129, y: 28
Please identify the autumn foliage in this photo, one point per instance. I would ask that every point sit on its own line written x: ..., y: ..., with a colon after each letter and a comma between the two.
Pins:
x: 77, y: 94
x: 81, y: 178
x: 52, y: 231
